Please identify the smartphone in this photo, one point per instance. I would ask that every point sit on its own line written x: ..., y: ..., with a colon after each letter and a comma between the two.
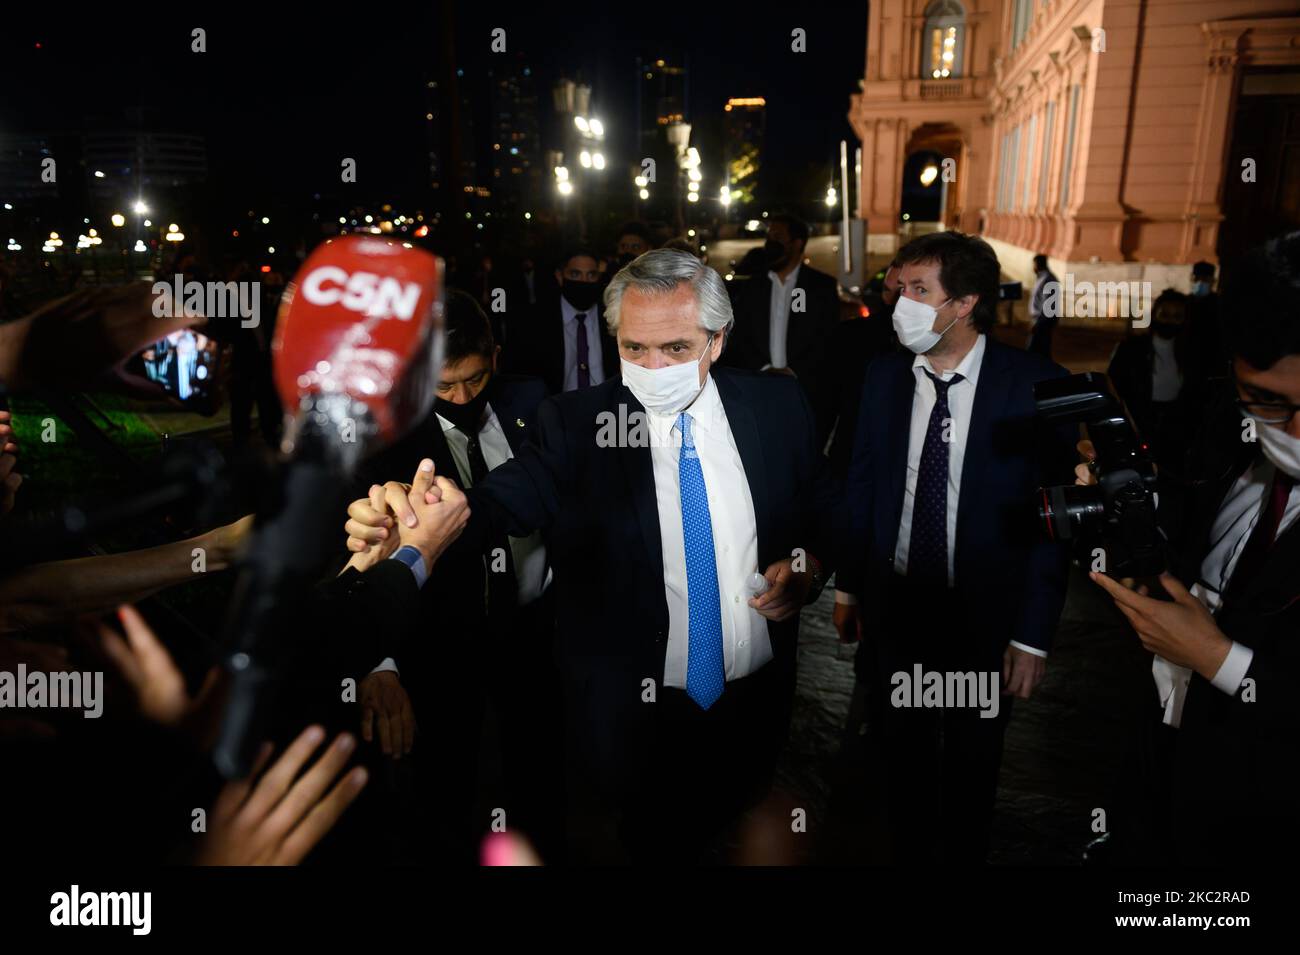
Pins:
x: 186, y: 365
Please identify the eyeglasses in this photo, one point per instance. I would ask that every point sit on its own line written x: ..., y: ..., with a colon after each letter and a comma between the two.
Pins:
x: 1265, y: 412
x: 1269, y: 412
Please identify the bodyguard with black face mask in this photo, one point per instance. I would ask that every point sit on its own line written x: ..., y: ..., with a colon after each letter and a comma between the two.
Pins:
x: 495, y: 601
x: 564, y: 342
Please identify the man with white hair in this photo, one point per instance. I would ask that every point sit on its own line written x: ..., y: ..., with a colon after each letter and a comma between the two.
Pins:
x: 688, y: 517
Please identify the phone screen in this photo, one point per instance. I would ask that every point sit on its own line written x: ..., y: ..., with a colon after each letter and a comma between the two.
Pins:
x: 185, y: 365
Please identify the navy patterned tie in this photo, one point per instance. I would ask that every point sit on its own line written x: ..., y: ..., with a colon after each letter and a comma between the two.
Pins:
x: 927, y: 554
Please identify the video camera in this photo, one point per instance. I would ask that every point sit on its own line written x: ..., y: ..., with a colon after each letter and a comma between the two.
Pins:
x: 1118, y: 513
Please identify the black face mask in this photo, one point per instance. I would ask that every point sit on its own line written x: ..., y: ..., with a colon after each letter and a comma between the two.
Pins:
x: 773, y: 252
x: 1166, y: 329
x: 581, y: 295
x: 469, y: 416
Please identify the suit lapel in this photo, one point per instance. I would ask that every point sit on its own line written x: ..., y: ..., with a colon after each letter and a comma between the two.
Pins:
x: 902, y: 392
x: 555, y: 348
x: 638, y: 470
x: 514, y: 426
x: 990, y: 399
x: 744, y: 428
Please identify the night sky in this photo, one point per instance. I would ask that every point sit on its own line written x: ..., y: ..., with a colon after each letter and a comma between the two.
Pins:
x: 282, y: 97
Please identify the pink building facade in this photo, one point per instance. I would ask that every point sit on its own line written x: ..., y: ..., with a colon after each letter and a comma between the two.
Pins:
x: 1125, y: 139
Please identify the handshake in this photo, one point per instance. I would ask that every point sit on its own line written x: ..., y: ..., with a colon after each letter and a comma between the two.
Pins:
x: 427, y: 514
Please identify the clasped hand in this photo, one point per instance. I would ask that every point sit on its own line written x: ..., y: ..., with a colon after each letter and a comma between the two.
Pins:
x: 428, y: 514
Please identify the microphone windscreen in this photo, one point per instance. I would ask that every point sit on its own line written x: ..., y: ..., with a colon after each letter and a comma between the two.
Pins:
x: 363, y: 317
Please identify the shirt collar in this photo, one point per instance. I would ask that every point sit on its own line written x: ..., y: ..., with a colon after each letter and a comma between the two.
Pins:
x: 968, y: 367
x: 790, y: 279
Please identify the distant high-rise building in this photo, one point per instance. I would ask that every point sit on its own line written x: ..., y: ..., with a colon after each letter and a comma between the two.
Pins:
x: 661, y: 97
x: 21, y: 156
x: 516, y: 143
x: 744, y: 125
x: 136, y: 162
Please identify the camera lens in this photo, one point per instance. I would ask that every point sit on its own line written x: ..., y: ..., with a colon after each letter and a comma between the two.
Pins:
x: 1069, y: 510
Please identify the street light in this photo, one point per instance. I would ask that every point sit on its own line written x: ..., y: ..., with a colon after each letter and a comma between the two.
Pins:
x: 139, y: 208
x: 118, y: 219
x: 598, y: 160
x: 582, y: 124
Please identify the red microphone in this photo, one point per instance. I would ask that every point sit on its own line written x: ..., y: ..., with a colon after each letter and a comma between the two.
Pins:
x: 357, y: 355
x: 359, y: 340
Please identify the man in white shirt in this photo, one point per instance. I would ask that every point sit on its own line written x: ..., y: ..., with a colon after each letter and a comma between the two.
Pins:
x: 687, y: 514
x: 786, y: 317
x: 940, y: 566
x: 1224, y: 631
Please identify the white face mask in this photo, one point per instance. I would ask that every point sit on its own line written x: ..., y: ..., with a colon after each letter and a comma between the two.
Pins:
x: 914, y: 322
x: 665, y: 390
x: 1280, y: 448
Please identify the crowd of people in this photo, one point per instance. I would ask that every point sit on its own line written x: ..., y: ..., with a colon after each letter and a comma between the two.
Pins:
x: 610, y: 627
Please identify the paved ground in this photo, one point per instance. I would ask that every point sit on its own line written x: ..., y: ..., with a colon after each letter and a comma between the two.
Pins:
x: 1064, y: 747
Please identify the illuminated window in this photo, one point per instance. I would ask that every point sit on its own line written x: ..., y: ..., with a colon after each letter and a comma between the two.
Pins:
x: 945, y: 37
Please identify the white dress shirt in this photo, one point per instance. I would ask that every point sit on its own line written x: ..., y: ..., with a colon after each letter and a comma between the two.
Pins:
x: 1235, y: 522
x: 745, y: 642
x: 961, y: 397
x: 778, y: 325
x: 531, y: 572
x: 595, y: 357
x: 961, y: 400
x: 1166, y: 379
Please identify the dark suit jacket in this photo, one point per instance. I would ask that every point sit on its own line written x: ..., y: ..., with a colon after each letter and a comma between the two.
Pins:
x: 1009, y: 578
x: 854, y: 344
x: 536, y: 347
x: 598, y: 507
x: 808, y: 336
x: 1234, y: 759
x: 449, y: 603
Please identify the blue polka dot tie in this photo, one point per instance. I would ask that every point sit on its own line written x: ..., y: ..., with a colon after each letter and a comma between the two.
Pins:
x: 705, y: 671
x: 927, y: 554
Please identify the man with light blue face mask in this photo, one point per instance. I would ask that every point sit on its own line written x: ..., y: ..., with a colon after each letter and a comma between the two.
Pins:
x: 939, y: 566
x: 688, y: 516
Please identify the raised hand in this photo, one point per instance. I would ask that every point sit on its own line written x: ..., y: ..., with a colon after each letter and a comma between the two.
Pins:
x: 149, y: 671
x: 428, y: 514
x: 281, y: 817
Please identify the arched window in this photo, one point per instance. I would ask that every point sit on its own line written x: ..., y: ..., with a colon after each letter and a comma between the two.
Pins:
x: 943, y: 40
